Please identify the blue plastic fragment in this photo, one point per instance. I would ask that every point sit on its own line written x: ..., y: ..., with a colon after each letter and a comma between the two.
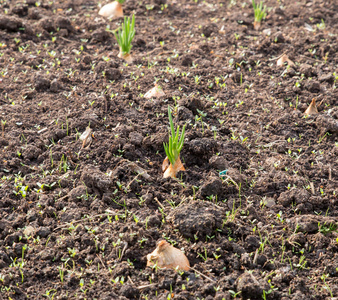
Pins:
x: 223, y: 173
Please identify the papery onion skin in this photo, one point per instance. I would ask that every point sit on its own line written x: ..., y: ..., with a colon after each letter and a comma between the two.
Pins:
x: 312, y: 109
x: 168, y: 257
x: 172, y: 170
x: 126, y: 56
x: 112, y: 10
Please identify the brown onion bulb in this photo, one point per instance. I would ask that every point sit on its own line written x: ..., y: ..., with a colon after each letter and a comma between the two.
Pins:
x: 167, y: 256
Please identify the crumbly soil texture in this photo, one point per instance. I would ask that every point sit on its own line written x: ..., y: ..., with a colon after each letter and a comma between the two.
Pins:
x: 79, y: 214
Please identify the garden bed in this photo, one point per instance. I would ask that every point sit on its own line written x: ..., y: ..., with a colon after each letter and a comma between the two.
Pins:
x: 78, y: 217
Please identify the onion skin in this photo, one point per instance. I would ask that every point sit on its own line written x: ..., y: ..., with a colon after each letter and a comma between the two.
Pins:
x: 168, y: 257
x: 172, y: 170
x: 256, y: 25
x: 127, y: 57
x: 112, y: 10
x: 312, y: 109
x: 283, y: 59
x: 155, y: 92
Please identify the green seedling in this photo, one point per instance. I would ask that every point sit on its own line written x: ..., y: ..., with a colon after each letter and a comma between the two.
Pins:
x: 173, y: 149
x: 124, y: 37
x: 260, y: 13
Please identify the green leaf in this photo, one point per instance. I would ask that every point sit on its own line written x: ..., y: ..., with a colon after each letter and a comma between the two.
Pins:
x: 176, y: 140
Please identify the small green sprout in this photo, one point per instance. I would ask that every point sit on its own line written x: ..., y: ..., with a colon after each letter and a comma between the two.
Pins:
x: 125, y: 35
x: 174, y: 147
x: 260, y: 13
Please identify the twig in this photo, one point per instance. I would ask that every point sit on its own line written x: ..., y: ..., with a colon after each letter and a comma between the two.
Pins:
x: 159, y: 48
x: 231, y: 180
x: 272, y: 143
x: 255, y: 258
x: 198, y: 272
x: 278, y: 57
x: 330, y: 173
x: 82, y: 220
x: 320, y: 103
x: 128, y: 185
x: 254, y: 278
x: 145, y: 286
x: 152, y: 51
x: 61, y: 37
x: 130, y: 280
x: 101, y: 261
x: 123, y: 250
x: 312, y: 188
x: 159, y: 203
x: 311, y: 58
x: 3, y: 128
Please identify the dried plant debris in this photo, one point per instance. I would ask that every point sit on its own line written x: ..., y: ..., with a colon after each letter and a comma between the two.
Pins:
x: 154, y: 92
x: 168, y: 257
x: 284, y: 58
x: 312, y: 109
x: 86, y: 137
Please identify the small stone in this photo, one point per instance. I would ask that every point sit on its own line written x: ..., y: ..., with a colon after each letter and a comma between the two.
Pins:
x: 306, y: 70
x: 218, y: 162
x: 136, y: 138
x: 207, y: 30
x: 186, y: 61
x: 213, y: 186
x: 269, y: 202
x: 267, y: 31
x: 112, y: 74
x: 41, y: 83
x: 43, y: 232
x: 313, y: 86
x: 184, y: 113
x: 87, y: 59
x: 252, y: 242
x: 100, y: 35
x: 279, y: 38
x: 78, y: 193
x: 326, y: 78
x: 261, y: 260
x: 29, y: 231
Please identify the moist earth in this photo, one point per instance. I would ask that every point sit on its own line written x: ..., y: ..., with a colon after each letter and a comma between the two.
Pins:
x: 78, y: 217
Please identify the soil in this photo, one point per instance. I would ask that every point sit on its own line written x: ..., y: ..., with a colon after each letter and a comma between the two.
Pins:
x: 78, y: 217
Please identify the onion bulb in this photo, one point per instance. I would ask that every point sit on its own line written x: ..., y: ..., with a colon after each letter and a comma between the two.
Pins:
x: 126, y: 56
x: 172, y: 170
x: 168, y: 257
x: 111, y: 10
x: 257, y: 25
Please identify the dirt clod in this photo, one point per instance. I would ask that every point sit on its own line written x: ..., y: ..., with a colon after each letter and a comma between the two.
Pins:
x: 186, y: 219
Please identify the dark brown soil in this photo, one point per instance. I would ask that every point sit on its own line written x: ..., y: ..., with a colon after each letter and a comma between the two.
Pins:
x: 78, y: 223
